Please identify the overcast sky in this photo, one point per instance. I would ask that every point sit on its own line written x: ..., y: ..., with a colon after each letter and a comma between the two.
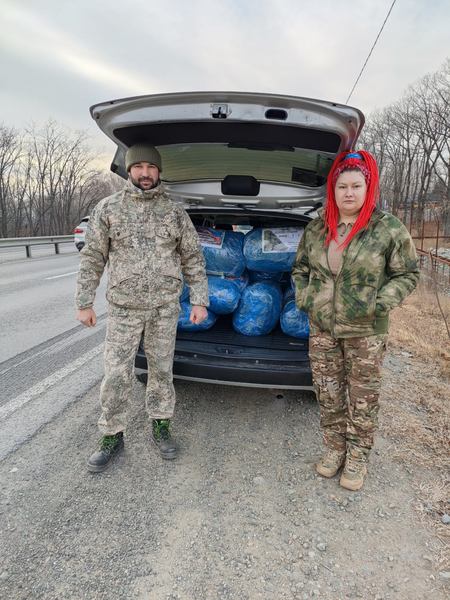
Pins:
x: 60, y: 57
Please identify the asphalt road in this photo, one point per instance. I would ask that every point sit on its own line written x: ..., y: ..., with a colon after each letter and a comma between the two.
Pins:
x: 47, y: 359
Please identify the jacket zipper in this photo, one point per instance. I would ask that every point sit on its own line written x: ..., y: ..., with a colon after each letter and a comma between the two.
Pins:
x: 344, y: 256
x: 333, y: 303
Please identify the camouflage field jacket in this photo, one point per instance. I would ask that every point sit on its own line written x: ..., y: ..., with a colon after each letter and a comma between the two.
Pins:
x: 378, y: 270
x: 148, y: 241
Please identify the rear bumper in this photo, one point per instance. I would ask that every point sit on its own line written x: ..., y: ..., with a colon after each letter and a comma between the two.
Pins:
x: 230, y: 371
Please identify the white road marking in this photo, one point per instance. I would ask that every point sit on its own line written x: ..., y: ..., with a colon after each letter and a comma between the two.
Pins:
x: 41, y: 387
x: 65, y: 275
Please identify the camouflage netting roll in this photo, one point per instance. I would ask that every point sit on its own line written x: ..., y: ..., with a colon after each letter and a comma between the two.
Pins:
x: 293, y: 321
x: 224, y: 294
x: 222, y: 251
x: 271, y: 250
x: 259, y: 309
x: 185, y: 325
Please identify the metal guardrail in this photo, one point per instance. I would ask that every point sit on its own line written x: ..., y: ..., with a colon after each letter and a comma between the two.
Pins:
x: 36, y: 241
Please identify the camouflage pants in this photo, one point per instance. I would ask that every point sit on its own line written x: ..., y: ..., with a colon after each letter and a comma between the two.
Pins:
x: 123, y: 333
x: 347, y: 380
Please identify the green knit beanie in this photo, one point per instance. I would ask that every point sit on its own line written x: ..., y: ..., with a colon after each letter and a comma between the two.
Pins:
x: 142, y: 153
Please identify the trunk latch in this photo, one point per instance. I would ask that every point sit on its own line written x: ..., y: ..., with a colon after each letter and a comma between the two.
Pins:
x: 219, y: 111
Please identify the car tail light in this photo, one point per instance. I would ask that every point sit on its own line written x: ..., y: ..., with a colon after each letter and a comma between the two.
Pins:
x: 77, y: 230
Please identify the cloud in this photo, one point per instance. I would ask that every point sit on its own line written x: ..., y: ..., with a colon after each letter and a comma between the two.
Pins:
x: 28, y: 35
x: 69, y: 55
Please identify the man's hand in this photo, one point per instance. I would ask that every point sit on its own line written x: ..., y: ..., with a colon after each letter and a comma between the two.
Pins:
x: 198, y: 314
x: 87, y: 317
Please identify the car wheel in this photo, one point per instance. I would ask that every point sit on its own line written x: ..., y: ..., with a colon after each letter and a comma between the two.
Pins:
x: 142, y: 377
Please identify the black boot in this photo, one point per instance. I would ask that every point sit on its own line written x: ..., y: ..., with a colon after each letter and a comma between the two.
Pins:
x: 109, y: 447
x: 163, y: 438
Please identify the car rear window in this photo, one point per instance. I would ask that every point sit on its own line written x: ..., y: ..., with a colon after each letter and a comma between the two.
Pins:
x: 216, y: 161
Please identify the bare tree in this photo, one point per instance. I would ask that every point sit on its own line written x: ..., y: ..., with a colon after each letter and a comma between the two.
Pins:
x: 441, y: 115
x: 10, y: 154
x: 48, y: 180
x: 59, y: 165
x: 388, y: 136
x: 94, y: 189
x: 410, y: 139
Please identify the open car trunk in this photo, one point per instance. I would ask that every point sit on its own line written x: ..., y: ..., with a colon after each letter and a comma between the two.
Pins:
x: 220, y: 354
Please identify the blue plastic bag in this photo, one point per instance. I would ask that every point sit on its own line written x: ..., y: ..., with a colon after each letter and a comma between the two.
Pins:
x: 241, y: 282
x: 255, y: 276
x: 185, y: 325
x: 293, y: 321
x: 259, y: 309
x: 222, y: 251
x: 273, y: 249
x: 224, y: 294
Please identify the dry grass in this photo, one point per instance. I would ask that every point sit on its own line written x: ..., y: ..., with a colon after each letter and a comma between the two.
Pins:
x: 433, y: 501
x: 416, y: 404
x: 419, y: 324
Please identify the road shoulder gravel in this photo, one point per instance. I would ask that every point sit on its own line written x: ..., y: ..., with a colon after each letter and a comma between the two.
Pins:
x: 240, y: 514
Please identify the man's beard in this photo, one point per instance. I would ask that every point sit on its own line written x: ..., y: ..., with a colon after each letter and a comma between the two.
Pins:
x: 138, y: 183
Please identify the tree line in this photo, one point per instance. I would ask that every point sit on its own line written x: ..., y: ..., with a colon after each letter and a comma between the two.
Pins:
x: 48, y: 180
x: 410, y: 140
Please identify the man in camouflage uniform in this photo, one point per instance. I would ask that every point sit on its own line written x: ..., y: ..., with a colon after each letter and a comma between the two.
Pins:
x: 349, y: 319
x: 148, y: 242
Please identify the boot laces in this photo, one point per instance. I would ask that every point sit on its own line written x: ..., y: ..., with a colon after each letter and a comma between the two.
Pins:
x: 107, y: 443
x: 333, y: 457
x: 354, y: 464
x: 162, y: 430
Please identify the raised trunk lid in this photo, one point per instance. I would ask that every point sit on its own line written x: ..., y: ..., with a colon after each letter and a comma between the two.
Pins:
x: 276, y: 149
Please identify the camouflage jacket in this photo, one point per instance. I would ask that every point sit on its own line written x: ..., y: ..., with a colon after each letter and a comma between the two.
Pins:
x: 378, y: 270
x: 148, y: 241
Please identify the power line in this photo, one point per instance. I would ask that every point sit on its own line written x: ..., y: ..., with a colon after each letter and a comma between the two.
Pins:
x: 367, y: 59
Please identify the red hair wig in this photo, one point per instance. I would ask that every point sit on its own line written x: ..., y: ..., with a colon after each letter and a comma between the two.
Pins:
x: 365, y: 163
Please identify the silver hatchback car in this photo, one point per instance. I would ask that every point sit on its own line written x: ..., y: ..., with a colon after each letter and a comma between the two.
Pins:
x: 237, y: 161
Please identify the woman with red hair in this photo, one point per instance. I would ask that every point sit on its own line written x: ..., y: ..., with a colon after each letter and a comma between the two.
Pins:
x: 354, y: 264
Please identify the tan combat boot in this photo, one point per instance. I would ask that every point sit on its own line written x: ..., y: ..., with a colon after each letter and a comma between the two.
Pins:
x: 331, y: 462
x: 355, y: 469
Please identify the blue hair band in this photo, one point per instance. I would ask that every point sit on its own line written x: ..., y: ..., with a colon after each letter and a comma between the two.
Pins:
x: 354, y: 155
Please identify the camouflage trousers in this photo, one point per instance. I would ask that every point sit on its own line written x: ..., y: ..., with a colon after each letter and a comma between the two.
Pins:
x: 123, y: 333
x: 347, y: 381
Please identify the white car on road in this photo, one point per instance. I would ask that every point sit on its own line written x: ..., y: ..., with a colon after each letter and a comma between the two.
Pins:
x: 80, y: 232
